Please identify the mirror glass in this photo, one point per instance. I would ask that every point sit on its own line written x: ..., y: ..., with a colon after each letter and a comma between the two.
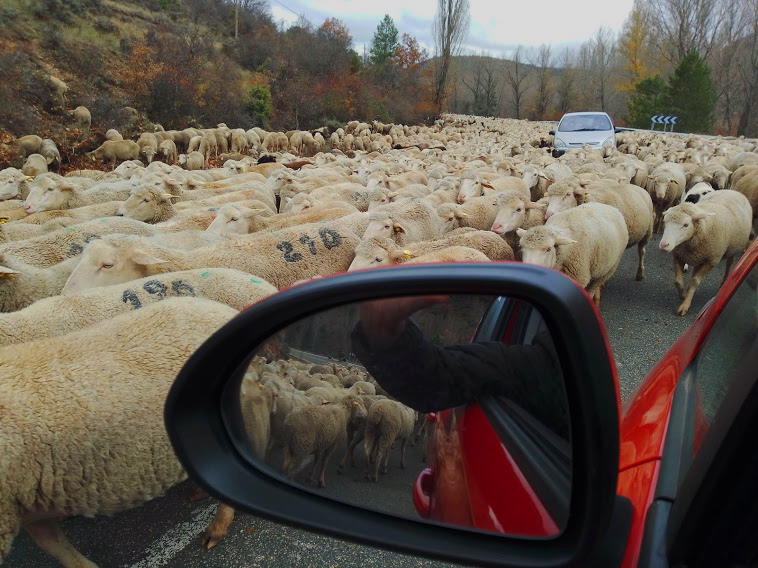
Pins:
x: 448, y: 408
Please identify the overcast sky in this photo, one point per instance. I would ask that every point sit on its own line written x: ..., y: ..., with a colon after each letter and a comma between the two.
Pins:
x: 497, y: 26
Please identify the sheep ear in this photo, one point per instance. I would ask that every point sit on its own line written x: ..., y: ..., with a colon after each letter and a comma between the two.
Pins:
x: 698, y: 215
x: 392, y: 194
x: 564, y: 241
x: 488, y: 186
x: 399, y: 228
x: 397, y: 255
x: 543, y: 176
x: 531, y: 205
x: 674, y: 181
x: 144, y: 258
x: 66, y: 186
x: 521, y: 232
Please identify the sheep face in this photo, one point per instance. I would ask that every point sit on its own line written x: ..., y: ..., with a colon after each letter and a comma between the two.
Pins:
x: 470, y: 187
x: 377, y: 252
x: 539, y: 244
x: 148, y: 152
x: 560, y: 201
x: 144, y: 204
x: 46, y: 195
x: 382, y: 226
x: 511, y: 213
x: 449, y: 217
x: 661, y: 184
x: 11, y: 186
x: 378, y: 197
x: 103, y: 264
x: 679, y: 225
x: 377, y: 180
x: 229, y: 221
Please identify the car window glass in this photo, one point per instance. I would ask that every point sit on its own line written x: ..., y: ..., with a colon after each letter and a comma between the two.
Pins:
x: 584, y: 122
x: 724, y: 350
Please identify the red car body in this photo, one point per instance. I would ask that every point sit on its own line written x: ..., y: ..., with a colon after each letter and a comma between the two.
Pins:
x: 473, y: 481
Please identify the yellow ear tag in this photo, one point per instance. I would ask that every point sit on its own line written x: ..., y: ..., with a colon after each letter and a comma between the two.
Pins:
x: 407, y: 253
x: 9, y: 276
x: 465, y: 214
x: 397, y: 229
x: 3, y: 220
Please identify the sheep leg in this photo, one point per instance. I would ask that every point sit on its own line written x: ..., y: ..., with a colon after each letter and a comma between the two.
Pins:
x: 325, y: 455
x: 219, y: 526
x: 386, y: 464
x: 641, y: 264
x: 679, y: 277
x: 50, y: 538
x: 697, y: 275
x: 402, y: 453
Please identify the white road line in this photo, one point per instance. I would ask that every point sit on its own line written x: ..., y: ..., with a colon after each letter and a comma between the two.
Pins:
x: 176, y: 539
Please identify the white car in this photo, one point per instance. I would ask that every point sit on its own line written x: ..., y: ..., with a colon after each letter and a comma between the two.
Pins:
x: 579, y: 128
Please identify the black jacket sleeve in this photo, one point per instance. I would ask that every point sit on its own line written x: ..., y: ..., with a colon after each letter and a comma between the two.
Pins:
x: 427, y: 377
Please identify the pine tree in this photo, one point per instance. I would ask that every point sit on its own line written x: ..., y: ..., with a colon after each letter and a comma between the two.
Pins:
x: 692, y: 94
x: 385, y: 42
x: 650, y: 98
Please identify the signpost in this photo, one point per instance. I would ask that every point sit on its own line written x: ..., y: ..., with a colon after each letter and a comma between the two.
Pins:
x: 664, y: 120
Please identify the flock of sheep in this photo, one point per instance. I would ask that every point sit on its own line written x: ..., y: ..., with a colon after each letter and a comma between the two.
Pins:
x: 108, y: 280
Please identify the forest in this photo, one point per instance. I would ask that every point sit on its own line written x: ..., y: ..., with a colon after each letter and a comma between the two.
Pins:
x: 201, y: 62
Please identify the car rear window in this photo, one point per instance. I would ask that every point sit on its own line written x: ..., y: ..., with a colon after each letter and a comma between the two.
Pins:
x: 583, y: 123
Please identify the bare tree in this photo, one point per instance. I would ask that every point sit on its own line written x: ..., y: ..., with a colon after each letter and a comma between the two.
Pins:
x: 482, y: 83
x: 726, y: 61
x: 450, y: 28
x: 542, y: 60
x: 515, y: 76
x: 601, y: 52
x: 565, y: 90
x: 680, y: 26
x: 748, y: 72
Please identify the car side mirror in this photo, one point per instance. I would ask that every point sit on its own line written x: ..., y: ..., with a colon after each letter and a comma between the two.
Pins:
x: 552, y: 133
x: 513, y: 360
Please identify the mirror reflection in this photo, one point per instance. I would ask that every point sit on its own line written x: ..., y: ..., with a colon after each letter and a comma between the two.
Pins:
x: 450, y: 408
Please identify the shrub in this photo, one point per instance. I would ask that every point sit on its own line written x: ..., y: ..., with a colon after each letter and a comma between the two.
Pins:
x: 105, y: 25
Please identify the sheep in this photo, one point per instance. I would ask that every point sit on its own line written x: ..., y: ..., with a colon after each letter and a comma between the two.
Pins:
x: 112, y: 150
x: 386, y: 422
x: 666, y: 183
x: 50, y: 152
x: 451, y: 254
x: 381, y: 196
x: 748, y: 186
x: 405, y: 222
x: 100, y: 409
x: 514, y: 211
x: 317, y: 430
x: 59, y: 89
x: 584, y: 242
x: 280, y: 257
x: 194, y: 144
x: 382, y: 251
x: 82, y: 117
x: 240, y: 220
x: 634, y: 203
x: 148, y: 145
x: 149, y: 205
x: 72, y: 216
x: 167, y: 149
x: 701, y: 235
x: 61, y: 314
x: 696, y: 193
x: 13, y: 183
x: 192, y: 161
x: 113, y: 134
x: 740, y: 173
x: 208, y: 145
x: 29, y: 144
x: 477, y: 212
x: 54, y: 246
x: 356, y: 430
x: 10, y: 232
x: 35, y: 165
x: 47, y: 195
x: 21, y: 284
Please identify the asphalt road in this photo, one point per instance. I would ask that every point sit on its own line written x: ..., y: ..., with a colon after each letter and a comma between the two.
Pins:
x: 641, y: 322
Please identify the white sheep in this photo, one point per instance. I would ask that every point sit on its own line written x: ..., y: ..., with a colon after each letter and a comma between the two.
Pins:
x: 106, y: 418
x: 35, y: 165
x: 405, y: 222
x: 280, y: 257
x: 47, y: 194
x: 21, y: 284
x: 387, y: 421
x: 50, y: 152
x: 666, y: 183
x: 112, y: 150
x: 82, y: 116
x: 167, y: 149
x: 317, y: 430
x: 192, y: 161
x: 584, y: 242
x: 701, y: 235
x: 696, y: 193
x: 59, y: 88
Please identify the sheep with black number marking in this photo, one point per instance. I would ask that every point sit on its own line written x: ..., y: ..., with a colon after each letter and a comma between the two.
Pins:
x: 60, y: 244
x: 280, y: 257
x: 387, y: 421
x: 317, y: 430
x: 61, y: 314
x: 701, y: 235
x: 109, y: 384
x: 584, y: 242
